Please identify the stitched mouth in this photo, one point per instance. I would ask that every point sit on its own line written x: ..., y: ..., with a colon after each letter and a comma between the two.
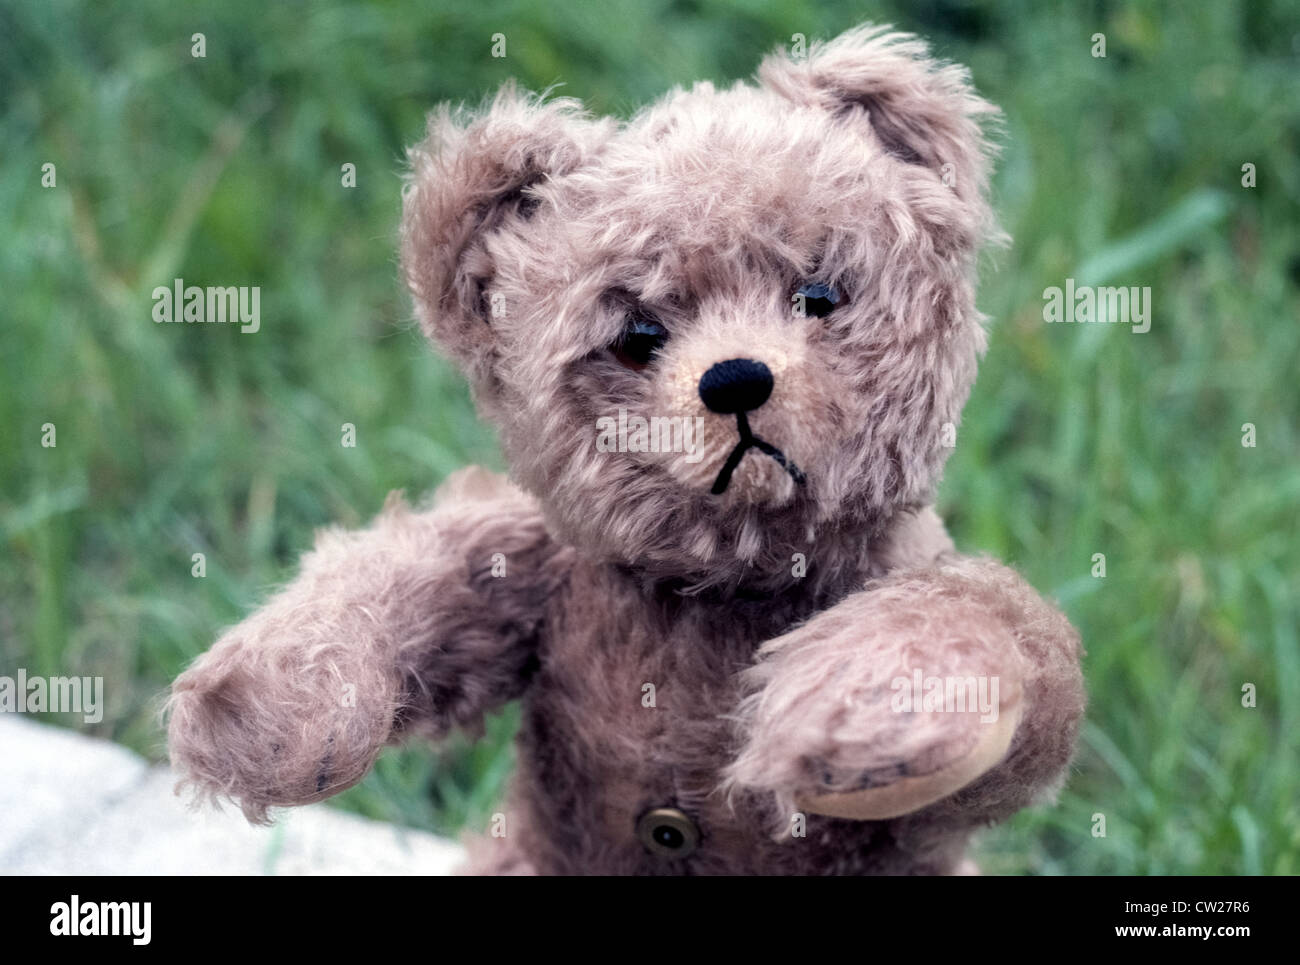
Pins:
x: 750, y: 441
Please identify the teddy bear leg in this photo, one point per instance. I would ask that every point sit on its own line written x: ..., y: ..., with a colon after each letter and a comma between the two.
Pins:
x: 952, y: 687
x: 397, y: 629
x: 494, y: 856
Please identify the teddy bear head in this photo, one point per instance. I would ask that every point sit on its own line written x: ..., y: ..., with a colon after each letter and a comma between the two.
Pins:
x: 738, y: 323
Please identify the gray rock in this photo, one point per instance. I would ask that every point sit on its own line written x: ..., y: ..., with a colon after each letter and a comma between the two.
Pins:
x: 73, y: 805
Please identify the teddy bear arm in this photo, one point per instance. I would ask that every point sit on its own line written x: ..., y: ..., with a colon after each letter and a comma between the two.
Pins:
x: 952, y: 687
x: 422, y: 622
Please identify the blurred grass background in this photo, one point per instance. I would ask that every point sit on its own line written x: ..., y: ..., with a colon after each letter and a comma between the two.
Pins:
x: 175, y: 440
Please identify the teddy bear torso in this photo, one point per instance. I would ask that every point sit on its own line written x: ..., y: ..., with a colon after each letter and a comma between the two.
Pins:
x: 631, y: 710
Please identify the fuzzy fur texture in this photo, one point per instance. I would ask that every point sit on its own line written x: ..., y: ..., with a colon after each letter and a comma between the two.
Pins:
x: 772, y: 619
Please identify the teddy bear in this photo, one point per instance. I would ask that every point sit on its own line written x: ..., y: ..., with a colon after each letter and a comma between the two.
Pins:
x: 746, y: 645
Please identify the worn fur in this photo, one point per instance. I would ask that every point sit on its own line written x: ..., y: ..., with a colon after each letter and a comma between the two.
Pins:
x: 770, y: 619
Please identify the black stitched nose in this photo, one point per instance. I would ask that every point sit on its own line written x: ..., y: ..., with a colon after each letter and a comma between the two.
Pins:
x: 736, y: 385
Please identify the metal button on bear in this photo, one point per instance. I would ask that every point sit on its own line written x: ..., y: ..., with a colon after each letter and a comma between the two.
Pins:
x: 668, y: 833
x: 736, y: 385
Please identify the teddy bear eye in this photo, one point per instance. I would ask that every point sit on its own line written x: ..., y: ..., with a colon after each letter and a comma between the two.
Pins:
x: 642, y: 337
x: 818, y: 299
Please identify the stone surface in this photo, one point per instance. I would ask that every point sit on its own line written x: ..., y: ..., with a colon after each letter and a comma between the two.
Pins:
x: 70, y: 804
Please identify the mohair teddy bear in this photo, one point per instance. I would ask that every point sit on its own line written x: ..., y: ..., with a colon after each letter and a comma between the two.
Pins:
x: 742, y: 639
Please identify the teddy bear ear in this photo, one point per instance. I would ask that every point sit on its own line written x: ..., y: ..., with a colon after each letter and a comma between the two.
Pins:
x: 920, y: 110
x: 467, y: 180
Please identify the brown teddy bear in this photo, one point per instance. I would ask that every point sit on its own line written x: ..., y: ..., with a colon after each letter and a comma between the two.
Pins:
x: 726, y: 344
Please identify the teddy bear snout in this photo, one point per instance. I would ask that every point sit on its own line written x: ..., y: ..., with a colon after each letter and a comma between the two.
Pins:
x: 736, y: 385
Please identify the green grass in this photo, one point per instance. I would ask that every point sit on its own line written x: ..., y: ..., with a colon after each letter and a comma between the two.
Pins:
x: 1078, y: 440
